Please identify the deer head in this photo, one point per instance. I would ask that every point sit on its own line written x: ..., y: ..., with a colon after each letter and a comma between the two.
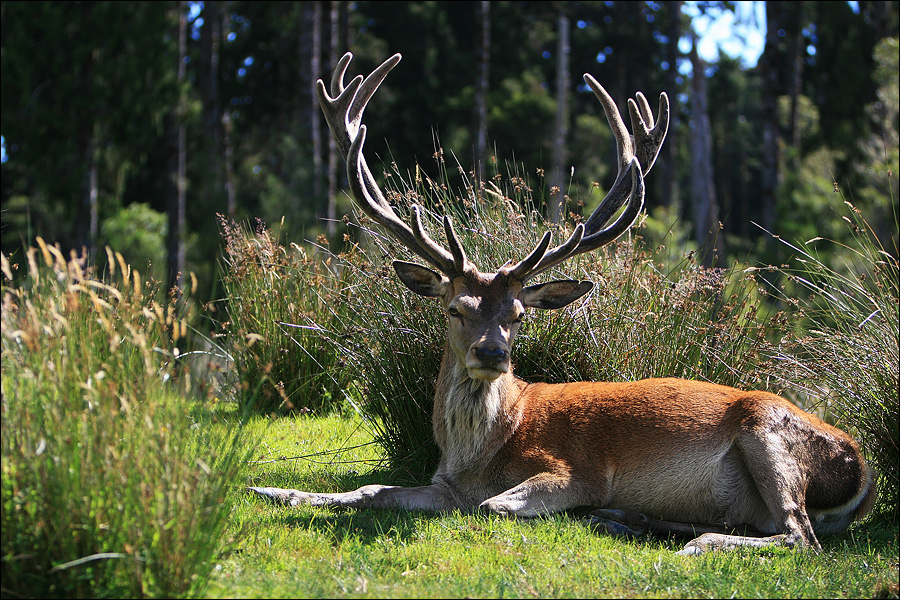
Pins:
x: 485, y: 309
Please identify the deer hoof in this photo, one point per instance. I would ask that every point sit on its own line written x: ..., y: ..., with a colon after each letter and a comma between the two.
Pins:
x: 618, y: 522
x: 277, y: 495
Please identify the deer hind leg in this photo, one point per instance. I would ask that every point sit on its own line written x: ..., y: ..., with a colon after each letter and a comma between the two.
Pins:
x: 431, y: 498
x: 634, y: 524
x: 781, y: 478
x: 774, y: 473
x: 617, y: 522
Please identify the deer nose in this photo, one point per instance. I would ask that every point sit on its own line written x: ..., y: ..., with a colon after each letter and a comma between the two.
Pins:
x: 490, y: 355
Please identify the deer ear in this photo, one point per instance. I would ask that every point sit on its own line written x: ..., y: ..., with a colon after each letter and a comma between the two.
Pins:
x: 421, y: 280
x: 554, y: 294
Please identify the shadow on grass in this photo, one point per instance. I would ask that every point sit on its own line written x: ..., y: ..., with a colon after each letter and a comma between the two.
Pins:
x: 366, y: 527
x: 371, y: 525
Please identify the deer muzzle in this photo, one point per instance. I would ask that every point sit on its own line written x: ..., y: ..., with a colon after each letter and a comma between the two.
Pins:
x: 487, y: 362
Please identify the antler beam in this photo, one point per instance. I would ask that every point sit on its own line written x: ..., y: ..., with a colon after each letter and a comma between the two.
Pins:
x: 343, y: 110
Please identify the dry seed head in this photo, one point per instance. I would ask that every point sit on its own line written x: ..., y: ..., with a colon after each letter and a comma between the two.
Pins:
x: 32, y: 266
x: 4, y: 266
x: 110, y: 261
x: 76, y: 273
x: 137, y: 285
x: 47, y: 258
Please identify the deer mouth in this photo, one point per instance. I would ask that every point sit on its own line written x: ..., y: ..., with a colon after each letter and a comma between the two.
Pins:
x: 487, y: 373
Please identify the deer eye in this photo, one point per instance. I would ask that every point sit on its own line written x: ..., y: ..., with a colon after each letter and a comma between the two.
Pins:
x: 453, y: 312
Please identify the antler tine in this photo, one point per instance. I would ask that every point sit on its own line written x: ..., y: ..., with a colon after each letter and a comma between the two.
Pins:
x: 460, y: 261
x: 343, y: 111
x: 337, y: 76
x: 636, y: 155
x: 648, y: 138
x: 645, y: 144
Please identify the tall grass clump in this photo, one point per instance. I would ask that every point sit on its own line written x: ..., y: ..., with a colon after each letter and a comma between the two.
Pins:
x: 283, y: 303
x: 847, y: 353
x: 391, y: 352
x: 109, y: 489
x: 643, y: 318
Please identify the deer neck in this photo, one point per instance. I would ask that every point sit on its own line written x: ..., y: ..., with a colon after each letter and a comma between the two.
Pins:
x: 472, y: 417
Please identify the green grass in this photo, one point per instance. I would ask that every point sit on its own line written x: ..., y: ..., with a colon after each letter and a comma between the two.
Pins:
x: 313, y: 552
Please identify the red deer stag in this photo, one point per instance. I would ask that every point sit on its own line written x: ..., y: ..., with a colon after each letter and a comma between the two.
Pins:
x: 659, y: 455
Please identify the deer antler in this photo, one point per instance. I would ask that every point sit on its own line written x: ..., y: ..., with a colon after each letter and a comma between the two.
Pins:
x: 636, y: 155
x: 343, y: 111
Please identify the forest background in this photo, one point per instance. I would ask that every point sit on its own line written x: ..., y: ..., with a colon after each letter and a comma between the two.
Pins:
x: 134, y: 124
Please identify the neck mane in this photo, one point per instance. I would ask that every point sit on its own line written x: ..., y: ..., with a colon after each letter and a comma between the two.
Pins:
x: 470, y: 415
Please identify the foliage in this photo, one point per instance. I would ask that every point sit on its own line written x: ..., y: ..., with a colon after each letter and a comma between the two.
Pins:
x: 840, y: 70
x: 96, y: 89
x: 880, y: 151
x: 140, y: 232
x: 284, y: 305
x: 96, y: 94
x: 848, y: 352
x: 109, y: 489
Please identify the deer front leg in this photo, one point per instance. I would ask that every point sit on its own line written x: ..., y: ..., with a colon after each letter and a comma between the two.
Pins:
x: 548, y: 493
x: 541, y: 494
x: 720, y: 541
x: 431, y: 498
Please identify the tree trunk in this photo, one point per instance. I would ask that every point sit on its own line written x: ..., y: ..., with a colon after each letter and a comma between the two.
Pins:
x: 795, y: 33
x: 618, y: 85
x: 669, y: 150
x: 558, y: 172
x: 343, y: 26
x: 177, y: 166
x: 88, y: 217
x: 703, y: 191
x: 333, y: 158
x: 481, y: 89
x: 770, y: 68
x: 228, y: 159
x: 93, y: 198
x: 315, y: 113
x: 210, y: 43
